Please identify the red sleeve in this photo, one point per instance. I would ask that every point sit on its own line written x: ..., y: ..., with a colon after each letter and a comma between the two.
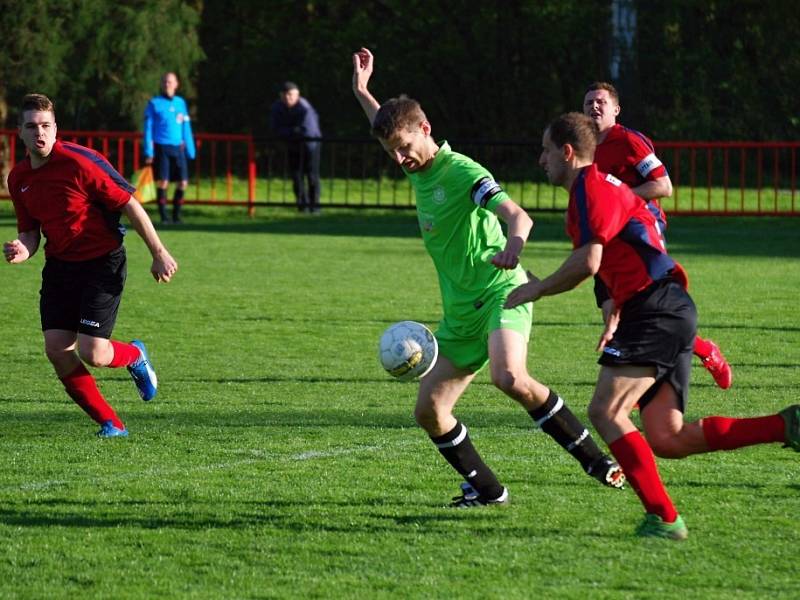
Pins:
x: 643, y: 157
x: 106, y: 185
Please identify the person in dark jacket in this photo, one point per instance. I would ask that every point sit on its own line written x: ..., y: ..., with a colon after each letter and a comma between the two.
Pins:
x: 296, y: 122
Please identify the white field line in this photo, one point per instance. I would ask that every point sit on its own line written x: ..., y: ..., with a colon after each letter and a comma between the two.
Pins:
x: 257, y: 456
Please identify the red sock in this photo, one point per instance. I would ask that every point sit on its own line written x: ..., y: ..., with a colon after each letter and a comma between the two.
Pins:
x: 82, y: 388
x: 637, y: 461
x: 702, y: 348
x: 724, y: 433
x: 124, y: 354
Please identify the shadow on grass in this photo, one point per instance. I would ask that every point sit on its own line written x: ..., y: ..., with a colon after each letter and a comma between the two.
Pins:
x: 305, y: 514
x: 727, y: 236
x: 265, y: 416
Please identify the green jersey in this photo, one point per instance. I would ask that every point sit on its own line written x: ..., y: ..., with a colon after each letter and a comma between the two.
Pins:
x: 456, y: 198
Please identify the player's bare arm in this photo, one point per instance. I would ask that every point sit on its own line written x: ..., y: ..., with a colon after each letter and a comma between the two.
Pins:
x: 584, y: 262
x: 164, y: 266
x: 22, y: 248
x: 519, y: 228
x: 652, y: 190
x: 363, y: 63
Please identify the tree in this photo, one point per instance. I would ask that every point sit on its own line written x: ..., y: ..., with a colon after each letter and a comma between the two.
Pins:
x: 98, y: 61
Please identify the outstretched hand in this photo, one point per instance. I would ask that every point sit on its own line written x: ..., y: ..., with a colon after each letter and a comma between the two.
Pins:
x: 363, y: 62
x: 527, y: 292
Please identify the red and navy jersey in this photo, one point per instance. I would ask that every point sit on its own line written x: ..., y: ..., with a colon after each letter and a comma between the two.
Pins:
x: 75, y: 200
x: 630, y: 156
x: 603, y: 209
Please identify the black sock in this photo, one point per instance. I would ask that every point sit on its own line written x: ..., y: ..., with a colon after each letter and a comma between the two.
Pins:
x: 457, y: 449
x: 559, y: 423
x: 161, y: 198
x: 177, y: 203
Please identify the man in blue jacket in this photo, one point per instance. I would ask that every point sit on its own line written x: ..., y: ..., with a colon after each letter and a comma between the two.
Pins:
x: 295, y: 121
x: 168, y: 142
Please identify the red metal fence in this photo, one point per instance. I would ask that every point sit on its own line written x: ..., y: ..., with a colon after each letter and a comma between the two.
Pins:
x: 723, y: 178
x: 709, y: 178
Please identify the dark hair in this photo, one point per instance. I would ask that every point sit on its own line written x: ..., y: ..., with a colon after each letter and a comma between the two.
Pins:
x: 576, y: 129
x: 396, y: 114
x: 38, y: 102
x: 288, y: 86
x: 604, y: 85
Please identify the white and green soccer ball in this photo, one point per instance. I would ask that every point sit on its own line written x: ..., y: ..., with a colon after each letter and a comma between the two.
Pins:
x: 408, y: 350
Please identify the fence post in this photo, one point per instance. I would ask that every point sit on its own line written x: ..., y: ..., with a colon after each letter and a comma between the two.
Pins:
x: 251, y: 177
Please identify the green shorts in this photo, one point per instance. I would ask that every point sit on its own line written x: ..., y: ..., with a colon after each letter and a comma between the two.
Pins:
x: 466, y: 344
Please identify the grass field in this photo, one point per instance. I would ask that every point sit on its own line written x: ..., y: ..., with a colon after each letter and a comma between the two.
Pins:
x: 279, y: 461
x: 534, y: 195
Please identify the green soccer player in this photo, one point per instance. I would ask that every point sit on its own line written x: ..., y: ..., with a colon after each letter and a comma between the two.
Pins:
x: 458, y: 205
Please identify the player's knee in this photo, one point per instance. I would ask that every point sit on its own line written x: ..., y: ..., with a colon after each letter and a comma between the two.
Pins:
x: 599, y: 414
x: 666, y: 445
x: 429, y: 418
x: 55, y: 355
x: 424, y: 416
x: 507, y: 382
x: 92, y: 356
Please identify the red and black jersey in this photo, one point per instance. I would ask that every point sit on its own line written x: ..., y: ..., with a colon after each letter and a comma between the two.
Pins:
x: 603, y: 209
x: 74, y: 199
x: 629, y: 156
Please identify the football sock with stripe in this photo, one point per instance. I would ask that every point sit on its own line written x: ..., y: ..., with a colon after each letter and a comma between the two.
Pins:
x: 161, y: 198
x: 725, y: 433
x: 177, y: 203
x: 124, y: 354
x: 457, y: 449
x: 636, y: 458
x: 82, y: 388
x: 557, y: 420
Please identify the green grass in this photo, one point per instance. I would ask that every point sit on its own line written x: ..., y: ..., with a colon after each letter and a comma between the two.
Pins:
x: 280, y: 461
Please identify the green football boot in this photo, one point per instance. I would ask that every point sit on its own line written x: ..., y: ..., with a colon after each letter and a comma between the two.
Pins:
x: 654, y: 526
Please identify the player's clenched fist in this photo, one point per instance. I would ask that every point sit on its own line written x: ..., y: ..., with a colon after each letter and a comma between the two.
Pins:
x: 15, y: 251
x: 362, y: 68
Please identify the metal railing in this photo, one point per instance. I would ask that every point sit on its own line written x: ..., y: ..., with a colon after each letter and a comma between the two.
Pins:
x: 709, y: 178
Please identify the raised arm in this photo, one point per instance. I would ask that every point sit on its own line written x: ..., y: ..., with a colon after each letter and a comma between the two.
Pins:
x: 164, y: 266
x: 363, y: 62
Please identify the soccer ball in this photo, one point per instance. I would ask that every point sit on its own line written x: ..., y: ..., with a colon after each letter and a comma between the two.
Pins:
x: 408, y: 350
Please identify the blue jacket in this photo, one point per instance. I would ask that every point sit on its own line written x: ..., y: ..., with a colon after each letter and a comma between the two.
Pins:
x: 297, y: 122
x: 166, y: 121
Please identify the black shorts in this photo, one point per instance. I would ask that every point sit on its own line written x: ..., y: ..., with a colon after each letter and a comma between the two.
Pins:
x: 83, y: 296
x: 657, y: 328
x: 169, y: 163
